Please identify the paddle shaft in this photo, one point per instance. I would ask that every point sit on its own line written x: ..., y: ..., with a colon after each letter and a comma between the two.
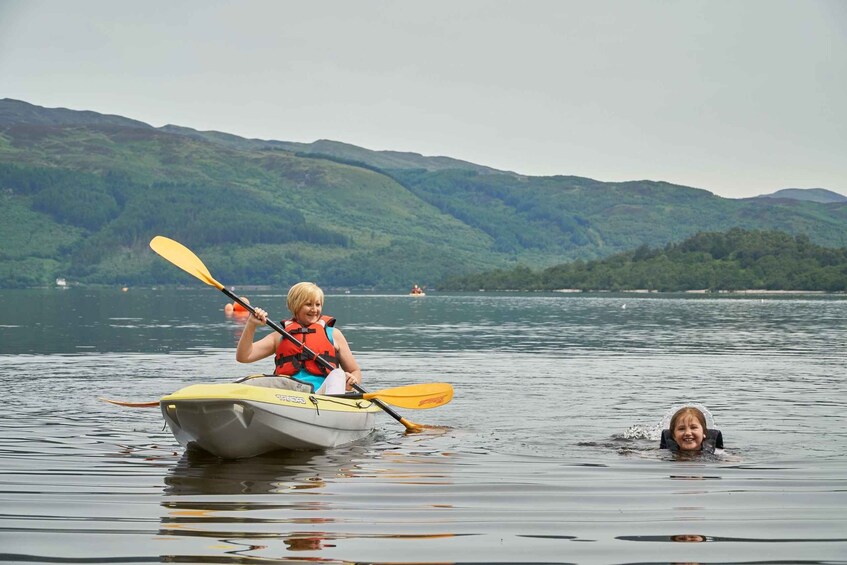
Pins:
x: 318, y: 359
x: 419, y: 397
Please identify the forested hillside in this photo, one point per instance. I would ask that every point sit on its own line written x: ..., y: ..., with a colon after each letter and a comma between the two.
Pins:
x: 726, y: 261
x: 82, y: 194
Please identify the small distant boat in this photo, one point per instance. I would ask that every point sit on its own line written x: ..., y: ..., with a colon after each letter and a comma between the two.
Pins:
x: 60, y: 282
x: 417, y: 291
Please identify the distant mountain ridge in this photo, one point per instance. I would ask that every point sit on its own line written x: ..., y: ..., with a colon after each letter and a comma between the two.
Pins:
x: 17, y: 111
x: 821, y: 195
x: 335, y: 149
x: 82, y: 193
x: 20, y: 112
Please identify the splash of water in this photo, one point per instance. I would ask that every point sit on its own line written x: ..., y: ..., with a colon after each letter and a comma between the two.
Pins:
x: 654, y: 431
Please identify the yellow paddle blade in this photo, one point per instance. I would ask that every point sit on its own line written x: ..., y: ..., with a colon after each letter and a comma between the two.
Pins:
x: 416, y: 397
x: 411, y: 427
x: 184, y: 258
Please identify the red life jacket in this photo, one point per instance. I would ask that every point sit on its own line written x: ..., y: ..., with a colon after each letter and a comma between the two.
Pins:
x: 290, y: 357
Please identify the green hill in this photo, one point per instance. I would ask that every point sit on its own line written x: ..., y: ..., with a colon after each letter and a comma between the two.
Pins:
x: 82, y: 194
x: 726, y: 261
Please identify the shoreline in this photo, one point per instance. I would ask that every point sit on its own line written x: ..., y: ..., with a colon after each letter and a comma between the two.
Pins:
x: 699, y: 291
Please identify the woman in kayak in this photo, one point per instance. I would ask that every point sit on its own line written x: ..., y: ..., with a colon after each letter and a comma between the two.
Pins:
x: 293, y: 365
x: 687, y: 432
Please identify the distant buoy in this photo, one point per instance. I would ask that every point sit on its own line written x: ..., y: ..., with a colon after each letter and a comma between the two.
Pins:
x: 124, y: 289
x: 236, y: 307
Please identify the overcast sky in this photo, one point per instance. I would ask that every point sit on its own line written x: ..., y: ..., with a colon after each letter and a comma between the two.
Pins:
x: 737, y: 97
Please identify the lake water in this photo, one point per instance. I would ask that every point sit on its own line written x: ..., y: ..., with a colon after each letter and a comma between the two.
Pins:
x: 547, y: 454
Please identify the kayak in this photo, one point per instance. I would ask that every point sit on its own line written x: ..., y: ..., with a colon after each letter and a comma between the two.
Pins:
x: 235, y: 421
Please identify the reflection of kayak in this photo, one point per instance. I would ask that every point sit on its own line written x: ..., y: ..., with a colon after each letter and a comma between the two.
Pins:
x: 234, y: 421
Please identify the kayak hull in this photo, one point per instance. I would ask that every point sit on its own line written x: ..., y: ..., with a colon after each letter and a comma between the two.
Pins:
x: 235, y: 421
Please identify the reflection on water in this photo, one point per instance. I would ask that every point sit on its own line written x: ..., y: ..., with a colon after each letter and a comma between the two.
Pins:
x: 547, y: 453
x: 266, y: 506
x: 698, y: 538
x: 201, y: 473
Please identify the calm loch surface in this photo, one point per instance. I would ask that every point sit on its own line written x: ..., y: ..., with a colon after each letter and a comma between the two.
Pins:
x: 547, y: 454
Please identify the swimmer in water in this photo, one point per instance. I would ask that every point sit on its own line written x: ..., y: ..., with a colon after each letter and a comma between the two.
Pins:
x: 688, y: 427
x: 688, y: 432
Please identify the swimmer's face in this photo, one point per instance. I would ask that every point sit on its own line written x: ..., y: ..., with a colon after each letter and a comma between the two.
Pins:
x: 688, y: 538
x: 688, y: 433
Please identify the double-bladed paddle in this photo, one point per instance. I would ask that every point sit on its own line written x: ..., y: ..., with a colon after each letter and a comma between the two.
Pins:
x: 185, y: 259
x: 416, y: 397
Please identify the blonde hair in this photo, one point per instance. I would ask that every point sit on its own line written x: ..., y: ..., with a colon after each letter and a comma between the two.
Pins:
x: 301, y: 293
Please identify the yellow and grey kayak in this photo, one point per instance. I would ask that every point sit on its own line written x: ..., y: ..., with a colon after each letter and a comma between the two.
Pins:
x: 235, y: 421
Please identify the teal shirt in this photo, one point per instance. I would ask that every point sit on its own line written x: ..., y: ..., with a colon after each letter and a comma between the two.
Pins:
x: 305, y: 376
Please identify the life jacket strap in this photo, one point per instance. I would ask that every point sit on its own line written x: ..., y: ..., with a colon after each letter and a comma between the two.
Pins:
x: 298, y: 359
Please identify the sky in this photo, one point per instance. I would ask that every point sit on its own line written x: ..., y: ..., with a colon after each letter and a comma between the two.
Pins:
x: 738, y: 97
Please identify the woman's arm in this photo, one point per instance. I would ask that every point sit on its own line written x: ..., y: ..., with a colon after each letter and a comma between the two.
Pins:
x: 346, y: 359
x: 248, y: 350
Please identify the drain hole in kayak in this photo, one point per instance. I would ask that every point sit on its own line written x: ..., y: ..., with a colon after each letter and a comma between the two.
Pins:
x: 172, y: 414
x: 243, y: 413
